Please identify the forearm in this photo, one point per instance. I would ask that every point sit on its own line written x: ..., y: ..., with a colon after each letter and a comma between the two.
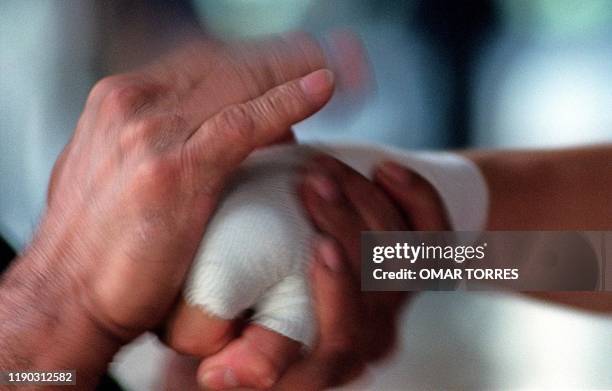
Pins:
x: 44, y: 326
x: 551, y: 190
x: 566, y: 189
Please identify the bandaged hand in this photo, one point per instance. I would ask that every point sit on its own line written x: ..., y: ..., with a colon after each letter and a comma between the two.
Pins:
x: 254, y: 253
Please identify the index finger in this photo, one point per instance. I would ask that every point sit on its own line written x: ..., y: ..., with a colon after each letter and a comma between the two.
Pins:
x: 235, y: 72
x: 222, y: 142
x: 279, y: 59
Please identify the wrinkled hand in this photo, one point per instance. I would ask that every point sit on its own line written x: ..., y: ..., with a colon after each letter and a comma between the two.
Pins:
x: 131, y: 193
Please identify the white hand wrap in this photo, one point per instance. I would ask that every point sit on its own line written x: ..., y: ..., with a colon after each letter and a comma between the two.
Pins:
x: 257, y: 245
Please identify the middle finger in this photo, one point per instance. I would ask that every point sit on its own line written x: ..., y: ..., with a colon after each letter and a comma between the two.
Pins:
x: 371, y: 203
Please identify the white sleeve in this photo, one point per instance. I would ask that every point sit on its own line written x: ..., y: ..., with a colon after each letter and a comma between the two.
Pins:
x: 458, y: 181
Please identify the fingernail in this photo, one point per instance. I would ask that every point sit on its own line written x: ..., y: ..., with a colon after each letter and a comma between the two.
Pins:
x: 219, y: 379
x: 328, y: 254
x: 317, y: 83
x: 395, y: 173
x: 323, y: 186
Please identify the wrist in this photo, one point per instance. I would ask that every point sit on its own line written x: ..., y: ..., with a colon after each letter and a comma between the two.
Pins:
x: 45, y: 326
x: 515, y: 179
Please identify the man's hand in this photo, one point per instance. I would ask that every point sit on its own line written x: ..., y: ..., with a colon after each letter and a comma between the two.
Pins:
x: 131, y: 193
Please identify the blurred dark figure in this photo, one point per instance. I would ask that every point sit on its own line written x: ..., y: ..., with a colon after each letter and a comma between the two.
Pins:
x: 458, y: 29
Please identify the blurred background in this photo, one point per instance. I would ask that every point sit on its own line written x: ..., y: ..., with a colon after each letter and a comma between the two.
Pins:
x: 441, y: 74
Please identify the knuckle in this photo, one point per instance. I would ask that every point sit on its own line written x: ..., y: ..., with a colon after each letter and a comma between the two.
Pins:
x: 179, y: 343
x: 123, y: 95
x: 236, y: 123
x: 154, y: 176
x: 284, y: 91
x: 282, y: 100
x: 122, y: 100
x: 188, y: 335
x: 140, y: 131
x: 193, y: 345
x: 148, y: 125
x: 101, y: 88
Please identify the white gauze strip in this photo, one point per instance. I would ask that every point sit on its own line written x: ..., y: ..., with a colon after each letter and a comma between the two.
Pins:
x: 257, y: 245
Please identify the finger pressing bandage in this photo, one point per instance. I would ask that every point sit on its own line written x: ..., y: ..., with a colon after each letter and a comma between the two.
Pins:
x: 256, y: 247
